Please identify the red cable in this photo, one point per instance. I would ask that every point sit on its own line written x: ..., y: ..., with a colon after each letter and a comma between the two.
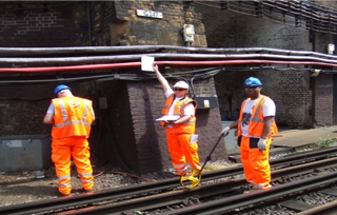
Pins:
x: 176, y: 63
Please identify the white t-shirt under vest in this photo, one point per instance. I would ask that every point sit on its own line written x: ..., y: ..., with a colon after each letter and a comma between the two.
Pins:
x: 268, y: 109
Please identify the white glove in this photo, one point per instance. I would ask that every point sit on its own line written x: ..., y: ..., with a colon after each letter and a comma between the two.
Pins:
x: 261, y: 144
x: 225, y: 131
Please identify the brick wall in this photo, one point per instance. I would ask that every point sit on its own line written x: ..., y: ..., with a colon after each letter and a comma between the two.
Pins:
x: 293, y: 97
x: 146, y: 102
x: 31, y: 24
x: 288, y: 87
x: 112, y: 137
x: 82, y: 18
x: 324, y: 100
x: 228, y: 29
x: 24, y: 106
x: 144, y: 30
x: 132, y: 138
x: 323, y: 83
x: 93, y: 20
x: 289, y: 90
x: 117, y: 23
x: 36, y: 24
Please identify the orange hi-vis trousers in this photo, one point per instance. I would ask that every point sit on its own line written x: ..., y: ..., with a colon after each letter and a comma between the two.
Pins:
x: 255, y: 163
x: 181, y: 149
x: 76, y: 147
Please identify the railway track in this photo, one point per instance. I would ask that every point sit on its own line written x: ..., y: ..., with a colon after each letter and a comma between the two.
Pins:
x: 231, y: 190
x: 228, y: 205
x: 168, y: 192
x: 327, y: 209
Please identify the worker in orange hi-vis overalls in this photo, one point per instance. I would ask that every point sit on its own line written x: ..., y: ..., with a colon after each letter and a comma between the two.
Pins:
x: 181, y: 145
x: 256, y: 125
x: 71, y: 118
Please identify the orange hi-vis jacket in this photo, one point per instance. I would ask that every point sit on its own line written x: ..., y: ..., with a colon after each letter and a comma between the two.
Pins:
x: 256, y: 123
x: 73, y: 117
x: 183, y: 128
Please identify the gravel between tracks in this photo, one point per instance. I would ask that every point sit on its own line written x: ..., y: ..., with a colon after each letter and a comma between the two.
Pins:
x: 24, y: 187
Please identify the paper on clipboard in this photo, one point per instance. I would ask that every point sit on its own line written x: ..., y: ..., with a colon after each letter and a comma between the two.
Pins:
x: 147, y: 63
x: 194, y: 138
x: 168, y: 118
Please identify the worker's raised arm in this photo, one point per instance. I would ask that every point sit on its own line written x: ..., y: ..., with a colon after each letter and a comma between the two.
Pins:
x: 162, y: 80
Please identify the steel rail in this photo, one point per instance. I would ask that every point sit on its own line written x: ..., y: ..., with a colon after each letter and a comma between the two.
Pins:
x: 326, y: 209
x: 225, y: 206
x: 168, y: 184
x: 181, y: 196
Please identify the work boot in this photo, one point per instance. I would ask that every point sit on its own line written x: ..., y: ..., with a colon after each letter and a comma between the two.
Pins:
x: 62, y: 194
x: 259, y: 187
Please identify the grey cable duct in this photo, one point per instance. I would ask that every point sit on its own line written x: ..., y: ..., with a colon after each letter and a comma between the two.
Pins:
x: 118, y: 58
x: 37, y: 52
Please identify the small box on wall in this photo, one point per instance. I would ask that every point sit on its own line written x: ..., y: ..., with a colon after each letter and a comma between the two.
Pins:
x: 207, y: 102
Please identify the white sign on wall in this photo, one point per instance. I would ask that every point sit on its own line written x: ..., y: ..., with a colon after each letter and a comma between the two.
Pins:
x: 150, y: 13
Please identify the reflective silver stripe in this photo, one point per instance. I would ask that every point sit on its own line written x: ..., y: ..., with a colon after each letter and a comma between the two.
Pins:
x: 179, y: 166
x: 260, y: 186
x: 72, y: 122
x: 86, y: 174
x: 255, y: 118
x: 63, y: 109
x: 181, y: 170
x: 85, y: 115
x: 182, y: 106
x: 64, y: 185
x: 86, y: 181
x: 64, y: 177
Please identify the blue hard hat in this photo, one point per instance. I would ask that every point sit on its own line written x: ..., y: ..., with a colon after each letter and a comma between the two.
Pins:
x: 60, y: 88
x: 252, y: 82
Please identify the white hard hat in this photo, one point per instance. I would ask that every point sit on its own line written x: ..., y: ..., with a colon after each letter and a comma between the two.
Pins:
x: 181, y: 84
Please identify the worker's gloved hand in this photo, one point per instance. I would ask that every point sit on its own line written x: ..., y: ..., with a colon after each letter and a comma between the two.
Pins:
x: 225, y: 131
x: 261, y: 144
